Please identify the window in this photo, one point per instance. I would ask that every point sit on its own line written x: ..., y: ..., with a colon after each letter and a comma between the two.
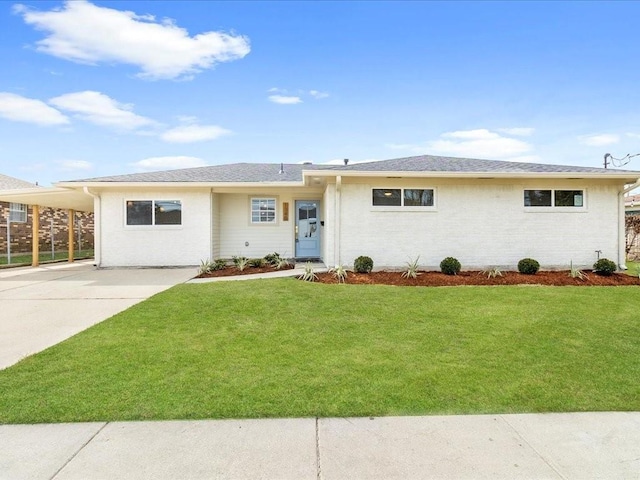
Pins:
x: 263, y: 210
x: 154, y: 212
x: 403, y: 197
x: 17, y: 212
x: 554, y: 198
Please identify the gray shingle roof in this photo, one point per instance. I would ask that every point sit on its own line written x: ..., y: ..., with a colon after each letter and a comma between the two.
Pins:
x: 270, y: 172
x: 235, y: 172
x: 430, y: 163
x: 11, y: 183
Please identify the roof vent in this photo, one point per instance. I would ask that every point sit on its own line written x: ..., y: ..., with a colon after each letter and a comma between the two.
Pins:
x: 281, y: 169
x: 307, y: 163
x: 346, y: 161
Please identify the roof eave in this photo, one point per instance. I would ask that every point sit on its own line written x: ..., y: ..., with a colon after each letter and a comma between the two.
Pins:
x: 482, y: 175
x: 79, y: 185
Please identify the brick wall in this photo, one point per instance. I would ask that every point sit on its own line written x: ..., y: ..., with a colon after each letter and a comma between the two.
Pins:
x: 21, y: 233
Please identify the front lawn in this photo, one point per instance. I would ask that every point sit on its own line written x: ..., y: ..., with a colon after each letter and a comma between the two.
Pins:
x: 285, y: 348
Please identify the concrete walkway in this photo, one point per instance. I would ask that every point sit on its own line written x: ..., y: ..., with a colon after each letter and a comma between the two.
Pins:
x: 42, y: 306
x: 546, y: 446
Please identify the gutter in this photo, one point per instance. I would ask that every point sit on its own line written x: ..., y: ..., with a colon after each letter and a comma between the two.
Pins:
x: 97, y: 226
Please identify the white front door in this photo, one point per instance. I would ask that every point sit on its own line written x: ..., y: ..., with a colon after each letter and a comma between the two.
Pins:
x: 307, y: 229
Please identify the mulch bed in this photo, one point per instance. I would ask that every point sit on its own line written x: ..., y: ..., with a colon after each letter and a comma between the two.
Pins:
x: 233, y: 271
x: 438, y: 279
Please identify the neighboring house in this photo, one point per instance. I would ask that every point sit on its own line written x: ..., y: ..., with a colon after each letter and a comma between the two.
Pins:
x: 484, y: 212
x: 632, y: 204
x: 53, y: 226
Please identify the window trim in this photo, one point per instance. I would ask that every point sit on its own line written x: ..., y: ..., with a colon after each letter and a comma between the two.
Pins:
x: 402, y: 207
x: 154, y: 225
x: 553, y: 207
x: 275, y: 210
x: 23, y: 211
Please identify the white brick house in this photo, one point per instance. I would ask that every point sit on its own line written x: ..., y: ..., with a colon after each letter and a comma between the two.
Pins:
x: 484, y: 212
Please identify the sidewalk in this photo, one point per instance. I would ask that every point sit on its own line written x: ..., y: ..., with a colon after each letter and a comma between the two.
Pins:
x: 533, y: 446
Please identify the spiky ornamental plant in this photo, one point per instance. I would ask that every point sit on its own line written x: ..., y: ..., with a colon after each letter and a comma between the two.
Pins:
x: 412, y: 269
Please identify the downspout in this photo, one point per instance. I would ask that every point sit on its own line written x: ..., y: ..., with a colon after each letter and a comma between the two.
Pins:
x: 97, y: 226
x: 622, y: 231
x: 336, y: 240
x: 211, y: 227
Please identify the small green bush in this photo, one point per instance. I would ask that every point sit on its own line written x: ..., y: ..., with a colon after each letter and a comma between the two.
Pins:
x: 363, y: 264
x: 528, y: 266
x: 219, y: 264
x: 604, y: 267
x: 257, y: 262
x: 450, y: 266
x: 272, y: 258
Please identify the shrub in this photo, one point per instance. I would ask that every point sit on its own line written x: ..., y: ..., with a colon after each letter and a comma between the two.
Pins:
x: 205, y: 267
x: 257, y: 262
x: 308, y: 275
x: 576, y: 272
x: 339, y: 272
x: 272, y: 258
x: 412, y: 269
x: 493, y: 272
x: 605, y: 267
x: 282, y: 263
x: 528, y: 266
x: 219, y: 264
x: 450, y: 266
x: 363, y: 264
x: 240, y: 262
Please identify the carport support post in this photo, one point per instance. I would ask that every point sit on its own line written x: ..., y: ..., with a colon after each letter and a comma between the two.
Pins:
x: 35, y: 235
x: 71, y: 220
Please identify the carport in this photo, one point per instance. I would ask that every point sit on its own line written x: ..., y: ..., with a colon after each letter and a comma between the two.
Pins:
x: 53, y: 197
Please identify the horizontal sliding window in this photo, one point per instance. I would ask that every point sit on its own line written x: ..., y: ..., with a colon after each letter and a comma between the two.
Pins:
x: 403, y: 197
x: 154, y: 212
x: 554, y: 198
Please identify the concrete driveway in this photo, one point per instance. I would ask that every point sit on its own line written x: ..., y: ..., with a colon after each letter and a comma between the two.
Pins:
x: 42, y: 306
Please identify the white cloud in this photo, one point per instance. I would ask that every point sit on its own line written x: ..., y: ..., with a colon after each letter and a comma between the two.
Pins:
x: 194, y: 133
x: 73, y: 165
x: 518, y: 131
x: 600, y: 140
x: 479, y: 143
x: 284, y: 100
x: 318, y: 95
x: 168, y: 163
x: 21, y: 109
x: 82, y: 32
x: 100, y: 109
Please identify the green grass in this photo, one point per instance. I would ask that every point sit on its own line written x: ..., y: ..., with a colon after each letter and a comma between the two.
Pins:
x: 285, y: 348
x: 633, y: 268
x: 44, y: 257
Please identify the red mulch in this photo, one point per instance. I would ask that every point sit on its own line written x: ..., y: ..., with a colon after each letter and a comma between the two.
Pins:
x: 233, y: 271
x: 438, y: 279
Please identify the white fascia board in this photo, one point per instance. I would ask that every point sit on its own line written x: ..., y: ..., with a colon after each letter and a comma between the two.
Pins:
x: 79, y: 185
x: 478, y: 175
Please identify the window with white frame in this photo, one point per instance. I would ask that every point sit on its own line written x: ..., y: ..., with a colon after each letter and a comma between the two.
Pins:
x: 403, y: 197
x: 263, y: 210
x: 17, y: 212
x: 554, y: 198
x: 154, y: 212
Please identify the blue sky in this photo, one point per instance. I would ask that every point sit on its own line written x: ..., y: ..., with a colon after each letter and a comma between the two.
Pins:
x: 110, y: 87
